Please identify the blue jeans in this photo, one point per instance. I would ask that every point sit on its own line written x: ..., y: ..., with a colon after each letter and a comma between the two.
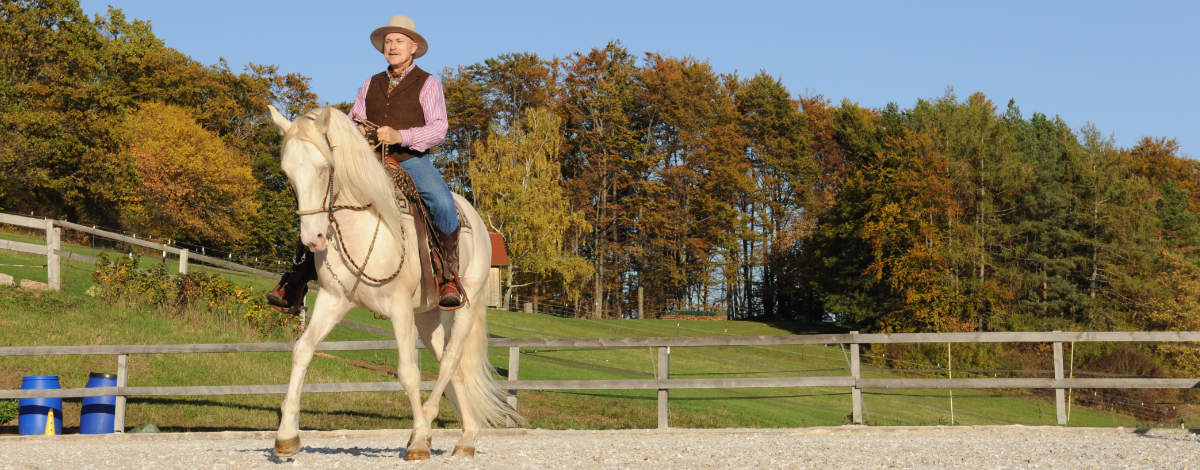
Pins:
x: 434, y: 192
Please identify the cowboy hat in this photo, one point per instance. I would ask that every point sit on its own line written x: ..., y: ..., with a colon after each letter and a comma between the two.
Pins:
x: 400, y: 24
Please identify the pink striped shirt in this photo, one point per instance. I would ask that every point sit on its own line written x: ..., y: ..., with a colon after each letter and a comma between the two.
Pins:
x: 433, y: 103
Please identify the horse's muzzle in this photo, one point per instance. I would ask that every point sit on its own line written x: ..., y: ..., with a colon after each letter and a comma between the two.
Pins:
x: 315, y: 243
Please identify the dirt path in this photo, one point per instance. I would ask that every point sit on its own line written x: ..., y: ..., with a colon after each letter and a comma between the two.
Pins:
x: 833, y: 447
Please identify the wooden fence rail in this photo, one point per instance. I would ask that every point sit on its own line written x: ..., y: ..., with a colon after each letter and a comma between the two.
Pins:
x: 662, y: 382
x: 53, y: 249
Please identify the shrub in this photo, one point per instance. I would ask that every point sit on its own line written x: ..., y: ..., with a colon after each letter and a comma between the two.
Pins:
x: 8, y: 410
x: 194, y: 296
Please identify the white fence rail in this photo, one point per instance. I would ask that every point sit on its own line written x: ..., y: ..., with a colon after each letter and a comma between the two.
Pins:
x: 662, y: 381
x: 53, y: 248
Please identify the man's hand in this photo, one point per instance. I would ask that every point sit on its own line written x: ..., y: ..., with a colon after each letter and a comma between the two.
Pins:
x: 390, y: 136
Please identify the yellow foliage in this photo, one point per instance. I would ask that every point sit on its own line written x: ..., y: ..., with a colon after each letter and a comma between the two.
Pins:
x: 518, y: 186
x: 1180, y: 310
x: 193, y: 186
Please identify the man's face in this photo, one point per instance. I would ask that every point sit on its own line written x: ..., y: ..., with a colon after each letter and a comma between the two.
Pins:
x: 398, y: 49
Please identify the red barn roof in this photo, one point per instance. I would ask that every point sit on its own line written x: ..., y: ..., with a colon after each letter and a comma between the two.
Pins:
x: 499, y: 253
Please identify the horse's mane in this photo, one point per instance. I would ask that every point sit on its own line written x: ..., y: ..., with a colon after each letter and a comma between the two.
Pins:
x: 357, y: 173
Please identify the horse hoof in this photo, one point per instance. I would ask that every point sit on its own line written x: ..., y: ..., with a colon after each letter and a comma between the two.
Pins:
x: 287, y: 448
x: 417, y: 455
x: 463, y: 451
x: 428, y: 442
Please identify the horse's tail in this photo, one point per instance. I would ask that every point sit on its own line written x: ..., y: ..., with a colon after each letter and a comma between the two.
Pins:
x: 486, y: 400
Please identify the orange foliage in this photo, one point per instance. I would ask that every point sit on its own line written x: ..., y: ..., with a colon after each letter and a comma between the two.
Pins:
x: 193, y: 187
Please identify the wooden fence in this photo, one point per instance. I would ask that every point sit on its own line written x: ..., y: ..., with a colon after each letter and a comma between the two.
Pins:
x: 662, y: 382
x: 53, y: 248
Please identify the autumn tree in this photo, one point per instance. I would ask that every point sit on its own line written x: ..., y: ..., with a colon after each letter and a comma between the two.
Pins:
x: 519, y: 190
x: 696, y: 175
x: 784, y: 174
x: 492, y: 93
x: 192, y: 186
x: 71, y: 85
x: 600, y: 101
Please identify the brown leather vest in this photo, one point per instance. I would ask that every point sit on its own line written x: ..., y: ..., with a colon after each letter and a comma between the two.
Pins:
x: 400, y: 109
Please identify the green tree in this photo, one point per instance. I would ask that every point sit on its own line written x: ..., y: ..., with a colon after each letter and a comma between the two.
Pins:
x: 58, y: 115
x: 1048, y: 231
x: 836, y: 256
x: 1121, y: 237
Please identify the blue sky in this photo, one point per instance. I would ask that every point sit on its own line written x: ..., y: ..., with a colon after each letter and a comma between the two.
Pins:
x: 1130, y: 68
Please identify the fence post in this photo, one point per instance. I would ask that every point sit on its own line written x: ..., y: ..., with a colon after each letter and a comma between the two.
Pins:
x: 53, y: 244
x: 664, y: 368
x: 856, y: 391
x: 514, y: 366
x: 1060, y: 401
x: 183, y: 261
x: 122, y: 377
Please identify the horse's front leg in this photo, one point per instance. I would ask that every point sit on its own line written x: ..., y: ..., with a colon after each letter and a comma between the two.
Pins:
x: 328, y: 310
x: 410, y: 378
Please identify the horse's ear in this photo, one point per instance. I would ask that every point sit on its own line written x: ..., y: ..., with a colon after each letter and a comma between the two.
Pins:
x: 323, y: 119
x: 283, y: 123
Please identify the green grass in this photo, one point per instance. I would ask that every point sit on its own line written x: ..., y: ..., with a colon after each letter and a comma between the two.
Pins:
x: 75, y: 275
x: 71, y: 317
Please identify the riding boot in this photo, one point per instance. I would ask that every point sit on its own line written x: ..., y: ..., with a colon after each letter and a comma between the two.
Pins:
x: 288, y: 295
x: 449, y: 288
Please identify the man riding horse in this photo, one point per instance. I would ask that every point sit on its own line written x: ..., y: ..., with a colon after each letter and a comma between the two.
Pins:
x: 402, y: 112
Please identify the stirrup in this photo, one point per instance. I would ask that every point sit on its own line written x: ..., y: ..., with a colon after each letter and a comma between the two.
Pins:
x: 276, y: 300
x: 450, y: 300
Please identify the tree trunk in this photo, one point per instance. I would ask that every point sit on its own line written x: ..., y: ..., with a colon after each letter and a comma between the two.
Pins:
x: 1095, y: 251
x: 598, y: 285
x: 597, y: 238
x: 508, y: 288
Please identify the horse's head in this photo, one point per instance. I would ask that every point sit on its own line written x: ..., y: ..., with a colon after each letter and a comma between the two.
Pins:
x: 305, y: 158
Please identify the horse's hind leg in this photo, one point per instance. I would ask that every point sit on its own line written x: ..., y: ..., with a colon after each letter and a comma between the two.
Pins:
x: 451, y: 360
x: 431, y: 327
x: 470, y: 423
x: 451, y: 377
x: 327, y: 312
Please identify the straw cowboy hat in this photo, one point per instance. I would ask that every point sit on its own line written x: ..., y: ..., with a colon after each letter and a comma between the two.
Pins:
x: 400, y: 24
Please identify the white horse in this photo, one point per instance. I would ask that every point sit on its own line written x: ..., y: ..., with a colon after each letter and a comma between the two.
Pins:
x: 335, y: 174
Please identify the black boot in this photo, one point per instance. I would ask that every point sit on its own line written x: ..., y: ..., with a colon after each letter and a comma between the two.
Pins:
x: 450, y: 291
x: 288, y: 295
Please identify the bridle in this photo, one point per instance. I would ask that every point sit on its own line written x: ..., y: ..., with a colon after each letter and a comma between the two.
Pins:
x: 329, y: 206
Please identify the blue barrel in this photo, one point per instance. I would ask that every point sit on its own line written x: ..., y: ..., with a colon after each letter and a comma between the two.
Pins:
x: 33, y: 411
x: 98, y: 412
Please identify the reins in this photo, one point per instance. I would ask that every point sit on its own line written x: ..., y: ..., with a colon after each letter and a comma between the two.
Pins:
x: 329, y: 206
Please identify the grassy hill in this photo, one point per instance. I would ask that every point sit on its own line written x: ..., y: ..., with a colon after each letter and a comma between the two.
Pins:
x: 71, y: 317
